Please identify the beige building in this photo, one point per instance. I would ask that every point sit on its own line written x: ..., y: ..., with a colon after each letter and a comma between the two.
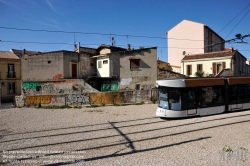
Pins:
x: 10, y: 76
x: 213, y: 63
x: 189, y: 37
x: 125, y: 69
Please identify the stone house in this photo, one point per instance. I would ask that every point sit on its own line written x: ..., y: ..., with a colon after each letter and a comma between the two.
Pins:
x: 125, y: 69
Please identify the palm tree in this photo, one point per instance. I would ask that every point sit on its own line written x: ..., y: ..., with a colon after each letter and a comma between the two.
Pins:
x: 199, y: 74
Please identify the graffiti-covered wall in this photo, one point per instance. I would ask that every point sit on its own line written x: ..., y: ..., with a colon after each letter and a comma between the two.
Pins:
x: 63, y: 92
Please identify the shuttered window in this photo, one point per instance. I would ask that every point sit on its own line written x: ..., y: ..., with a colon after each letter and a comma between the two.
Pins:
x: 214, y: 68
x: 199, y: 67
x: 224, y: 65
x: 189, y: 70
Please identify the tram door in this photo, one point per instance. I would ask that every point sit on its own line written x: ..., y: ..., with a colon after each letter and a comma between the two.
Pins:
x: 191, y: 101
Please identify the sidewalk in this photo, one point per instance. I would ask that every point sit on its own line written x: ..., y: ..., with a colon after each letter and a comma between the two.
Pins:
x: 7, y: 106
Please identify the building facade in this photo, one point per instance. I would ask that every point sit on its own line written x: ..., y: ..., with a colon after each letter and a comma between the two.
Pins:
x: 215, y: 62
x: 10, y: 76
x: 134, y: 69
x: 189, y: 37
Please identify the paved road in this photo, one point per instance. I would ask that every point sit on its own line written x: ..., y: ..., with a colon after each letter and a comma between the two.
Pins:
x: 124, y: 135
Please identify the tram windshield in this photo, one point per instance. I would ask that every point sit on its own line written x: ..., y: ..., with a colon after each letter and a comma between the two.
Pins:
x: 169, y: 98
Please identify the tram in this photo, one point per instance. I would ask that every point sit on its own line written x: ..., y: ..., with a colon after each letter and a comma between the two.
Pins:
x: 184, y: 97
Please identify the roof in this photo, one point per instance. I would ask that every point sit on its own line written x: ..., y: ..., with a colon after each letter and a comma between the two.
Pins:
x: 160, y: 61
x: 8, y: 55
x: 41, y: 53
x: 210, y: 55
x: 197, y: 23
x: 111, y: 47
x: 18, y: 52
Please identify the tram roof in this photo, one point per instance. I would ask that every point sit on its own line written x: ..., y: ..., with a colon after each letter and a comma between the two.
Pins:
x: 191, y: 82
x: 205, y: 81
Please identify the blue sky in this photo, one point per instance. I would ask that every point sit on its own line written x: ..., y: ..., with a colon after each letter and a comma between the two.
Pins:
x: 127, y: 19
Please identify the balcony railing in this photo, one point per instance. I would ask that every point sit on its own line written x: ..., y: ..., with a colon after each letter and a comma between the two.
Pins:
x: 11, y: 74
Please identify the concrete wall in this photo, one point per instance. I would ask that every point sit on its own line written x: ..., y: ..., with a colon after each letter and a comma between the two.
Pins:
x: 146, y: 75
x: 4, y: 90
x: 46, y: 66
x: 65, y: 92
x: 193, y: 32
x: 68, y: 59
x: 239, y: 64
x: 214, y: 39
x: 105, y: 51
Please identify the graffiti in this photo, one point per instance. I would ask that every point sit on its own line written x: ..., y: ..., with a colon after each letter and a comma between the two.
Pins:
x: 33, y: 99
x: 38, y: 99
x: 77, y: 99
x: 19, y: 101
x: 57, y: 100
x: 48, y: 88
x: 66, y: 82
x: 147, y: 86
x: 31, y: 85
x: 56, y: 77
x: 128, y: 93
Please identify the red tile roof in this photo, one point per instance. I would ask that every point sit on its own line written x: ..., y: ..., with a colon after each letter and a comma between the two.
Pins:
x: 210, y: 55
x: 8, y: 55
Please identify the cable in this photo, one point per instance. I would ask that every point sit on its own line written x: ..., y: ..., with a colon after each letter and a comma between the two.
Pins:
x: 34, y: 42
x: 238, y: 22
x: 85, y: 33
x: 234, y: 18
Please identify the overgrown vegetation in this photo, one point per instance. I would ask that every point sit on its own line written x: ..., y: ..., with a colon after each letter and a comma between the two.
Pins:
x: 227, y: 149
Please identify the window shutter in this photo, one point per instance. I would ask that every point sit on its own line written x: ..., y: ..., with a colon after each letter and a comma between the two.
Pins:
x: 201, y: 67
x: 190, y: 69
x: 223, y: 65
x: 214, y: 68
x: 187, y: 70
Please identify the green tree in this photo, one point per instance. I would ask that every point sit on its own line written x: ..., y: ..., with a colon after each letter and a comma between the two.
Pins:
x: 199, y: 74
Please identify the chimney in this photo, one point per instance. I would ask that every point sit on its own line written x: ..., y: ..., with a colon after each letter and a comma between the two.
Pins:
x: 129, y: 48
x: 24, y: 51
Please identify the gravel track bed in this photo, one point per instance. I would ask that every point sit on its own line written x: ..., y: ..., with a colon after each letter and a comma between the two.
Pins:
x: 122, y: 135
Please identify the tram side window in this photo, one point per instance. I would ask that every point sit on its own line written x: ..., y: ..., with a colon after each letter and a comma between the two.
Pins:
x: 212, y: 96
x: 163, y: 97
x: 247, y: 98
x: 175, y: 99
x: 188, y: 99
x: 239, y: 94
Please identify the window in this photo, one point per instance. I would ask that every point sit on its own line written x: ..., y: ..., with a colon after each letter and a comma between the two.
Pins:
x: 199, y: 67
x: 12, y: 87
x: 211, y: 96
x: 134, y: 64
x: 218, y: 67
x: 11, y: 73
x: 99, y: 64
x: 189, y: 69
x: 137, y: 86
x: 105, y: 62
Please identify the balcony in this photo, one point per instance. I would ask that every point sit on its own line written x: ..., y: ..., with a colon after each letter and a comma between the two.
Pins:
x: 11, y: 74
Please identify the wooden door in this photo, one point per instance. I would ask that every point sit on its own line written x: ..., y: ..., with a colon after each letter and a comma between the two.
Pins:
x: 73, y: 70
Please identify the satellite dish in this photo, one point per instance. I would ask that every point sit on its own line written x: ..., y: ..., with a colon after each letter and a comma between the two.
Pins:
x: 184, y: 53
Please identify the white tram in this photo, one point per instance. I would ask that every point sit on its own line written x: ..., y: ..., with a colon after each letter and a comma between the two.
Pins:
x: 183, y: 97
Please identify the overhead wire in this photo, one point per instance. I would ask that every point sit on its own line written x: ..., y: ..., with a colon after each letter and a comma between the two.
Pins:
x: 238, y: 23
x: 92, y: 33
x: 234, y: 18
